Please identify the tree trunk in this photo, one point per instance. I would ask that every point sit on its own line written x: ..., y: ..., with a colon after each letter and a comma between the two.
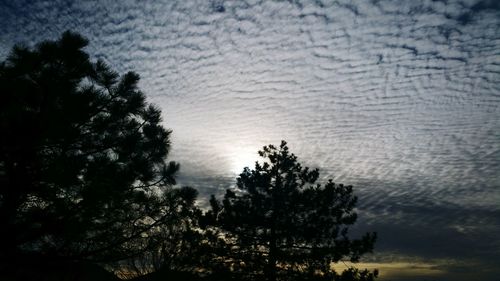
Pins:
x: 271, y: 272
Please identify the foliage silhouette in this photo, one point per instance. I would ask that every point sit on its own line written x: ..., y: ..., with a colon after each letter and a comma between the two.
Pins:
x: 84, y: 180
x: 176, y: 247
x: 281, y: 225
x: 83, y: 171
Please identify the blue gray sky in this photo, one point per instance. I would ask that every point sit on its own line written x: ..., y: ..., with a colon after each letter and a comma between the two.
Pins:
x: 399, y: 98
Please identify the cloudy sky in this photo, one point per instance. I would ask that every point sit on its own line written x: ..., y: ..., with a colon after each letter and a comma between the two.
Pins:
x: 399, y: 98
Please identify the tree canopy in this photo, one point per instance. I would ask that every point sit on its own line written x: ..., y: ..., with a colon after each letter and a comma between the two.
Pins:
x: 84, y: 177
x: 83, y: 170
x: 281, y: 225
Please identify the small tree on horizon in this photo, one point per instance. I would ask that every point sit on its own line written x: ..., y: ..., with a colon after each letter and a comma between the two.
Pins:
x: 280, y: 225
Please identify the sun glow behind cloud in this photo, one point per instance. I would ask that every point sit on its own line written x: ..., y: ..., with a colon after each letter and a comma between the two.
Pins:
x: 241, y: 157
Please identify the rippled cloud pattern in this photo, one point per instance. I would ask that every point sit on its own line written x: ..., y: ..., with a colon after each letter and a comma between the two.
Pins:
x: 399, y: 98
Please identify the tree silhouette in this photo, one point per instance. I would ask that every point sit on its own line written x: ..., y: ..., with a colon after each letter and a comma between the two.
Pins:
x: 171, y: 247
x: 281, y: 225
x: 83, y: 174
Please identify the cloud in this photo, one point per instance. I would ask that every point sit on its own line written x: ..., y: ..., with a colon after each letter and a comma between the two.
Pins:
x: 399, y: 99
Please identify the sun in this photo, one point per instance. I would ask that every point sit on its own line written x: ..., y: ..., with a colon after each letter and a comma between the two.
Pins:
x: 242, y: 158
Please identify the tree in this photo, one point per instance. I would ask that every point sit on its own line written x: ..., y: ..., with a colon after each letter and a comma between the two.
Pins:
x: 175, y: 246
x: 83, y: 171
x: 281, y: 224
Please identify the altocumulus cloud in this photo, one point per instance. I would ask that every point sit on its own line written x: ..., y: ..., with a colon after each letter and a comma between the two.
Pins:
x: 399, y: 98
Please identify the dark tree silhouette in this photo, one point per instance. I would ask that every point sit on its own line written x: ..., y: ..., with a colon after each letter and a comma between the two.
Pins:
x: 175, y: 246
x: 281, y: 225
x: 83, y: 171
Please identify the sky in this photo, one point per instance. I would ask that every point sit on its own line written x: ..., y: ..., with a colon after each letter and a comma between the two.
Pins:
x: 400, y: 99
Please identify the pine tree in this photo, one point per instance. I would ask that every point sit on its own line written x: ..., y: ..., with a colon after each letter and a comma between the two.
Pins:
x: 83, y: 171
x: 281, y: 225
